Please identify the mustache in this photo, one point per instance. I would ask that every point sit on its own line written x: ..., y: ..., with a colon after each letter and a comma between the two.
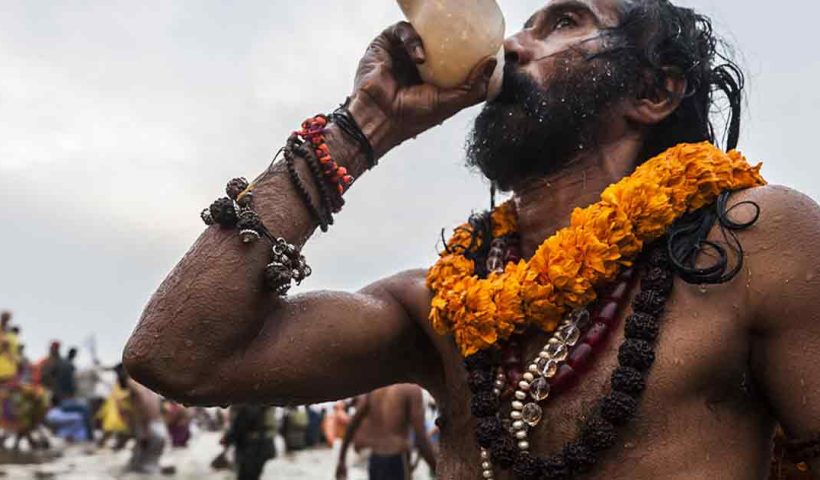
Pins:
x: 514, y: 87
x: 516, y: 82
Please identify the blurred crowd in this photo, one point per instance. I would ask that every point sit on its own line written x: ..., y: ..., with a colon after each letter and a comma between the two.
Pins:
x: 51, y: 402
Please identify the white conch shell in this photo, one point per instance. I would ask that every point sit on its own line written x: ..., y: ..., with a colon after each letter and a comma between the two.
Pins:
x: 457, y: 36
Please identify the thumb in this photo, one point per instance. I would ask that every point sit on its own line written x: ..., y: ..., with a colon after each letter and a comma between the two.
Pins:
x: 474, y: 90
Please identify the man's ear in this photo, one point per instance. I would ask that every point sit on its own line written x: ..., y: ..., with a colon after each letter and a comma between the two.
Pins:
x: 658, y: 101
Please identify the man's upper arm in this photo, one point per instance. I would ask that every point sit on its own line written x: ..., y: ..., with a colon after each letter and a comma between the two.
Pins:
x: 784, y: 295
x: 327, y: 345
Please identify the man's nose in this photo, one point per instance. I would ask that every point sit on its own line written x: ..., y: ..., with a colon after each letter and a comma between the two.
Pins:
x: 516, y: 51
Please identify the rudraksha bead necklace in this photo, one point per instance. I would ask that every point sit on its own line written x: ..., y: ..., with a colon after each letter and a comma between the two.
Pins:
x: 506, y: 448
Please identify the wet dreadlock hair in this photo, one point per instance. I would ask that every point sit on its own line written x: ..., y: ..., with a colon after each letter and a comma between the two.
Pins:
x: 668, y: 40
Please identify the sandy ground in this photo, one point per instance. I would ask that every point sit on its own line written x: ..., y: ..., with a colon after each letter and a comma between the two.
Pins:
x: 193, y: 463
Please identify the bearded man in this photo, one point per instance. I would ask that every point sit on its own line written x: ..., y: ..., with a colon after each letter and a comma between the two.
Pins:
x: 703, y: 368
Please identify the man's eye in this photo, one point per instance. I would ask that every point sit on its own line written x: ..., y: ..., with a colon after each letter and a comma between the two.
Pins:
x: 564, y: 21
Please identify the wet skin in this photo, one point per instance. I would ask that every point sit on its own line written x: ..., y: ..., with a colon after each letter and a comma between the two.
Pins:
x: 392, y: 413
x: 732, y: 360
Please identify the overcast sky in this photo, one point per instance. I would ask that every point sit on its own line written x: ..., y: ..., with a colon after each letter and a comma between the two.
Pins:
x: 121, y: 120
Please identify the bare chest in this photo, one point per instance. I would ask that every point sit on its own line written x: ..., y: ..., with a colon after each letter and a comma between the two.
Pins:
x: 698, y: 391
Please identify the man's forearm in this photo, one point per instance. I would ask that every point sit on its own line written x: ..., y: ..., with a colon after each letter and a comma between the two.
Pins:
x: 213, y: 303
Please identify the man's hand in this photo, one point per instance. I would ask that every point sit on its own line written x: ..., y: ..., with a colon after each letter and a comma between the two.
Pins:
x: 391, y: 103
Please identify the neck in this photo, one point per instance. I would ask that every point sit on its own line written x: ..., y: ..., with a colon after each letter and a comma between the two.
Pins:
x: 544, y: 205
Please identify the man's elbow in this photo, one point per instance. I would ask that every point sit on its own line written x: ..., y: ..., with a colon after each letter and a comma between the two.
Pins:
x: 166, y: 375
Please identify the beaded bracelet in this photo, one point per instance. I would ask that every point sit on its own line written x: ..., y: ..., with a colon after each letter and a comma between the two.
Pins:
x: 287, y: 264
x: 313, y: 130
x: 235, y: 211
x: 332, y: 202
x: 323, y: 218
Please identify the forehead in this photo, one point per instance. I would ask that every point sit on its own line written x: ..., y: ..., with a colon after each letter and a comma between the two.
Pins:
x: 606, y: 11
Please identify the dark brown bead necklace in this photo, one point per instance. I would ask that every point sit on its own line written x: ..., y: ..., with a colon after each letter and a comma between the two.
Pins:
x: 635, y: 357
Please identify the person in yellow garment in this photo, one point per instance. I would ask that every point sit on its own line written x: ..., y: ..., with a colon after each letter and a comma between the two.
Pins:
x: 9, y: 349
x: 115, y: 412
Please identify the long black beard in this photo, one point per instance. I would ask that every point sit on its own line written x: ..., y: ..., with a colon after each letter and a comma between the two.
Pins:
x: 531, y: 131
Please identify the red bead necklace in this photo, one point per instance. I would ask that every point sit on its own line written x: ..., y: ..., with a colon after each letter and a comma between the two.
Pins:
x: 603, y: 318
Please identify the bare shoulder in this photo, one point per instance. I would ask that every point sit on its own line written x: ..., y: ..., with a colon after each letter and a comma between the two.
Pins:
x: 409, y: 288
x: 779, y: 203
x: 413, y: 279
x: 789, y: 221
x: 782, y: 249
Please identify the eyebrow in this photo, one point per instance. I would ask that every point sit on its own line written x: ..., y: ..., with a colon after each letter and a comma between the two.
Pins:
x: 559, y: 7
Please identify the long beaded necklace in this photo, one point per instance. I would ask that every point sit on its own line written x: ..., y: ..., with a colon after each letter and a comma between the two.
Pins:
x: 566, y: 354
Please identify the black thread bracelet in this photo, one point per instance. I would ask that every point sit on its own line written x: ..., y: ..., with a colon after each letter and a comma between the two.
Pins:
x: 342, y: 117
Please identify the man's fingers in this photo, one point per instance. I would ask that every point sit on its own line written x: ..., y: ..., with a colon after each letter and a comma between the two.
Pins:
x: 474, y: 90
x: 396, y: 38
x: 410, y: 41
x: 482, y: 73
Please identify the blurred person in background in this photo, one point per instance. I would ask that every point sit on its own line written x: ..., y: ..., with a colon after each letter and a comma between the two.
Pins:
x: 65, y: 392
x: 315, y: 435
x: 294, y: 429
x: 45, y: 371
x: 148, y: 427
x: 9, y: 349
x: 116, y: 412
x: 336, y: 423
x: 178, y: 422
x: 386, y: 422
x: 251, y: 432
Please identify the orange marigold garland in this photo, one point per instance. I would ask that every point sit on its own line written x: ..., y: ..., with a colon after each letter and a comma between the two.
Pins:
x: 566, y: 268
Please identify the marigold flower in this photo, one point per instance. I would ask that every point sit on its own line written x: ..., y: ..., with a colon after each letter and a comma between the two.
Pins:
x: 565, y: 270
